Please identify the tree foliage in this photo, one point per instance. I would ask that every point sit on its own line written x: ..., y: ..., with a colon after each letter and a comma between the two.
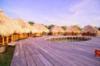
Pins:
x: 31, y: 22
x: 50, y: 26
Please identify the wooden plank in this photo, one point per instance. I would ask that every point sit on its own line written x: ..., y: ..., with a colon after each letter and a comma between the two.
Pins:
x: 19, y: 56
x: 36, y: 56
x: 29, y: 59
x: 38, y: 52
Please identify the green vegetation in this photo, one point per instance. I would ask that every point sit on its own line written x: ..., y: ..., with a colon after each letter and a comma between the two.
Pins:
x: 31, y: 22
x: 64, y: 27
x: 5, y: 58
x: 50, y: 26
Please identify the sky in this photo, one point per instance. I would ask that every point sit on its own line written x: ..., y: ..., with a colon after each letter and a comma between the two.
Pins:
x: 58, y: 12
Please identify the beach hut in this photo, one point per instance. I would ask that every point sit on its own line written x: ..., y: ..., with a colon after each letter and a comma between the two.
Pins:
x: 6, y: 31
x: 89, y: 31
x: 23, y: 29
x: 6, y: 27
x: 5, y: 36
x: 39, y: 30
x: 73, y: 30
x: 35, y: 32
x: 57, y: 30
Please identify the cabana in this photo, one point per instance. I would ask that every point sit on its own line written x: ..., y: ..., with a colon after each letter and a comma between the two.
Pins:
x: 39, y: 30
x: 5, y: 34
x: 89, y: 31
x: 35, y: 32
x: 23, y: 29
x: 73, y: 30
x: 57, y: 30
x: 6, y: 29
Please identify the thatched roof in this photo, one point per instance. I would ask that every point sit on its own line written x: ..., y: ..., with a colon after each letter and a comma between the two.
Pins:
x: 74, y: 29
x: 40, y: 28
x: 89, y: 29
x: 57, y: 29
x: 5, y: 31
x: 23, y: 27
x: 3, y: 17
x: 5, y: 25
x: 35, y: 30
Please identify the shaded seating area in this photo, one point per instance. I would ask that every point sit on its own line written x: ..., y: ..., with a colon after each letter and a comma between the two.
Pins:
x: 6, y: 30
x: 12, y: 30
x: 23, y: 31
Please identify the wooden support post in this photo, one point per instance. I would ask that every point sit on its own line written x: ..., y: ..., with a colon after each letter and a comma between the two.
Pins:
x: 20, y: 36
x: 7, y: 39
x: 12, y: 40
x: 24, y: 35
x: 14, y: 37
x: 3, y: 40
x: 17, y: 36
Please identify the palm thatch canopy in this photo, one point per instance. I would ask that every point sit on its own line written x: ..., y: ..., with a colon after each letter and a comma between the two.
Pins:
x: 89, y: 29
x: 22, y: 26
x: 35, y: 30
x: 74, y: 29
x: 40, y: 28
x: 57, y: 29
x: 5, y: 25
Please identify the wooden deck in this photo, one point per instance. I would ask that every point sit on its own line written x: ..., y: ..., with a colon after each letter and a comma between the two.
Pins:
x: 39, y: 52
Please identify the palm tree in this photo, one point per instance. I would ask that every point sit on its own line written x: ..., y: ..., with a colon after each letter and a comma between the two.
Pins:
x: 50, y: 26
x: 31, y: 22
x: 64, y: 27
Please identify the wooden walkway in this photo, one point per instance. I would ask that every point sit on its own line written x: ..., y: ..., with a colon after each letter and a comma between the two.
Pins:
x: 39, y: 52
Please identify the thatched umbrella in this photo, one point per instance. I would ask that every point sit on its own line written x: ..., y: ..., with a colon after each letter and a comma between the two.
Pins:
x: 39, y: 29
x: 23, y: 28
x: 89, y: 31
x: 73, y: 30
x: 6, y: 31
x: 57, y: 30
x: 6, y: 27
x: 35, y: 31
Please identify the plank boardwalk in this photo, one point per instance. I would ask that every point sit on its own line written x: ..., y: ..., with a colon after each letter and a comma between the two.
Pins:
x: 39, y: 52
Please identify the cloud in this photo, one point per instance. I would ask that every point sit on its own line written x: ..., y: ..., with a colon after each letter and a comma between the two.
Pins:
x: 85, y: 12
